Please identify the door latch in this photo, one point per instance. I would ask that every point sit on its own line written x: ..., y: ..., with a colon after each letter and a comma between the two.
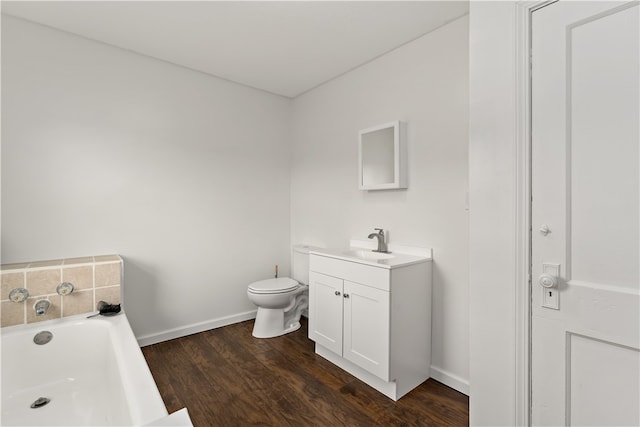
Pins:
x: 549, y: 282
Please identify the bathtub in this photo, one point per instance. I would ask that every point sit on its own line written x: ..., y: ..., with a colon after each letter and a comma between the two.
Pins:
x: 92, y: 371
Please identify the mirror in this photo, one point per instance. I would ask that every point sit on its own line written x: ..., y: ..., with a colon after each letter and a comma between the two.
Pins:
x: 382, y: 157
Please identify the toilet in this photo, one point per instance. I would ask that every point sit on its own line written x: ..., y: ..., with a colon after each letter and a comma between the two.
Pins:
x: 282, y: 300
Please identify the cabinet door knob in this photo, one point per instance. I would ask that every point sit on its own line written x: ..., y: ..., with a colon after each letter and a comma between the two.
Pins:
x: 337, y: 293
x: 346, y: 295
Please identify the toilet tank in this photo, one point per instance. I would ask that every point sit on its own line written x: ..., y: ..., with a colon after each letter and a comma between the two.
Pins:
x: 300, y: 264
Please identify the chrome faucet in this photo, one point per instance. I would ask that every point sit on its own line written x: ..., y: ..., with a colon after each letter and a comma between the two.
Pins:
x: 382, y: 243
x: 41, y: 307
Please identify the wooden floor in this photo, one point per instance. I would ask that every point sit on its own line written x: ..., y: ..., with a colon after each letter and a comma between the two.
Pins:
x: 225, y: 377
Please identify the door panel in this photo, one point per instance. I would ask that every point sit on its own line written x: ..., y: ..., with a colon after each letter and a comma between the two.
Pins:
x: 325, y: 311
x: 595, y: 368
x: 366, y: 328
x: 586, y: 191
x: 603, y: 150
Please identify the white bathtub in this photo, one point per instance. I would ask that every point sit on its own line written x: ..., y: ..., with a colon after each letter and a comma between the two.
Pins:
x: 92, y: 370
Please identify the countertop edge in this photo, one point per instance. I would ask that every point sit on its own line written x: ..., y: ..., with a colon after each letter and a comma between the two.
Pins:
x: 404, y: 260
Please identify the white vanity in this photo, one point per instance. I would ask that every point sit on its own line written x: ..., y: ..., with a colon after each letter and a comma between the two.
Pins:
x: 370, y: 314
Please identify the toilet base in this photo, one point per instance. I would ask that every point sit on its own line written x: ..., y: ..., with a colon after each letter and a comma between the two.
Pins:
x: 273, y: 321
x: 269, y: 323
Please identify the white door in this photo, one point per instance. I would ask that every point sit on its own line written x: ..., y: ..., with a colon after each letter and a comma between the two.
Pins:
x: 585, y: 363
x: 325, y: 311
x: 366, y: 328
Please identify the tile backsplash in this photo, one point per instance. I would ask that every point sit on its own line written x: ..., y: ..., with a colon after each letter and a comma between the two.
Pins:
x: 94, y: 278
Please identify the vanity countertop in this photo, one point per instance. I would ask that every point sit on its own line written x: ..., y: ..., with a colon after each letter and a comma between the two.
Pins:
x: 399, y: 256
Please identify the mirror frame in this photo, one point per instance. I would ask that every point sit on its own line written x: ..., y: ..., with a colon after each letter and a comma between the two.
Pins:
x: 399, y: 157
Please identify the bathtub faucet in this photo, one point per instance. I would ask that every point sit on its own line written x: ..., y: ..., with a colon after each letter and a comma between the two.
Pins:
x: 41, y: 307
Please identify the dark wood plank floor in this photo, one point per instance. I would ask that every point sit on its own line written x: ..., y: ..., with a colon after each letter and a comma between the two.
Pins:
x: 225, y: 377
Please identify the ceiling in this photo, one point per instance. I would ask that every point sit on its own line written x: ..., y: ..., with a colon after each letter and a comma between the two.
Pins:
x: 284, y: 47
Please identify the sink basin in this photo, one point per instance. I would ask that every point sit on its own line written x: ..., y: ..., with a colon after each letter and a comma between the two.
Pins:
x: 368, y: 255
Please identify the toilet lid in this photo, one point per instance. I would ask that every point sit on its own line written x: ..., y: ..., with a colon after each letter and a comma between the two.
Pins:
x: 273, y: 286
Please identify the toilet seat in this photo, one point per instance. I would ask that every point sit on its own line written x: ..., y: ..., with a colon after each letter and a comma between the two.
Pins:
x: 273, y: 286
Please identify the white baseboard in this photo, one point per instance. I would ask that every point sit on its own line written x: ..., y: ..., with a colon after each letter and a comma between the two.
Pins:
x: 195, y: 328
x: 448, y: 379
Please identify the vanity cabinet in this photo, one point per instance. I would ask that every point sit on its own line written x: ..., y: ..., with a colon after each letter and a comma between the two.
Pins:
x: 372, y: 320
x: 352, y: 320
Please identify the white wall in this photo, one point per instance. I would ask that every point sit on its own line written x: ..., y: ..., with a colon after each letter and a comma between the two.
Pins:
x: 493, y: 172
x: 185, y: 175
x: 424, y: 83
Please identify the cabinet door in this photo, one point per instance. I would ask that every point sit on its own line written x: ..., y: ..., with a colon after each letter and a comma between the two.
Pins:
x: 366, y: 328
x: 325, y: 311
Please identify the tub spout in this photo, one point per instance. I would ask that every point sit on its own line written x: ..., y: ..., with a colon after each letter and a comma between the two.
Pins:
x: 41, y: 307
